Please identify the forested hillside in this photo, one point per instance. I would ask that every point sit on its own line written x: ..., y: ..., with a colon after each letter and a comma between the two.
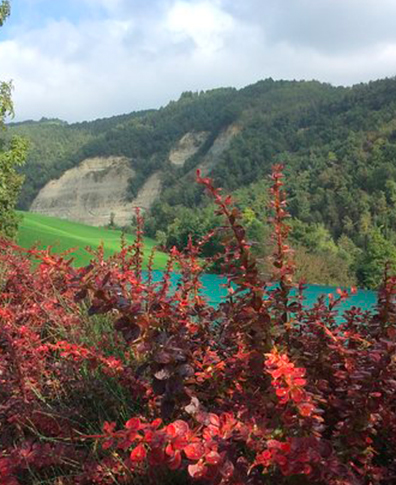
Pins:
x: 338, y: 146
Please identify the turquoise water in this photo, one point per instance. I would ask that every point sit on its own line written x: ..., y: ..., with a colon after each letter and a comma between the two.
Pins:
x: 214, y: 291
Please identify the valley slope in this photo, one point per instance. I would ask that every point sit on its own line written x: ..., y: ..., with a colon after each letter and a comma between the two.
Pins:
x: 43, y: 232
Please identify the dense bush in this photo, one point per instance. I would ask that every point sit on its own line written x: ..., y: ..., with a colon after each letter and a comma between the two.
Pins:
x: 109, y: 377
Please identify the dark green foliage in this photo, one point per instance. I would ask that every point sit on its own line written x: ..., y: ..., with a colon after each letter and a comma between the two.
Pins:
x: 4, y: 11
x: 52, y: 146
x: 12, y: 155
x: 10, y: 183
x: 338, y: 146
x: 378, y: 252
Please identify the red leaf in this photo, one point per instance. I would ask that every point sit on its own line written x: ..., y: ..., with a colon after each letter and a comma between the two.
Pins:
x: 277, y: 373
x: 149, y: 436
x: 133, y: 424
x: 263, y: 458
x: 180, y: 442
x: 299, y: 372
x: 194, y: 451
x: 214, y: 420
x: 108, y: 427
x: 306, y: 409
x: 175, y: 462
x: 213, y: 458
x: 138, y: 454
x: 282, y: 393
x: 285, y: 447
x: 197, y: 471
x: 274, y: 444
x: 297, y: 395
x: 156, y: 423
x: 177, y: 428
x: 169, y: 450
x: 107, y: 444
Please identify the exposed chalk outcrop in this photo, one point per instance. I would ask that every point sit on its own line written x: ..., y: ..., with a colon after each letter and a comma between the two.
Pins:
x: 220, y: 145
x: 98, y: 187
x: 148, y: 192
x: 187, y: 146
x: 95, y: 189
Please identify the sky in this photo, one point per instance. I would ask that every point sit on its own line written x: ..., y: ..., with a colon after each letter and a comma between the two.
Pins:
x: 86, y: 59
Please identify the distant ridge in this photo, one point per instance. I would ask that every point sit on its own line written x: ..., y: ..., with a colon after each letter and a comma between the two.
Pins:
x: 338, y: 145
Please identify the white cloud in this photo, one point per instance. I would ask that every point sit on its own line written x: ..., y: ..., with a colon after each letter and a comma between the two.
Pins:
x: 146, y: 52
x: 204, y: 23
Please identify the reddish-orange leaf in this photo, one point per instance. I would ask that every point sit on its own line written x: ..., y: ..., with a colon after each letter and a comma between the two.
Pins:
x: 306, y: 409
x: 213, y: 458
x: 194, y: 451
x: 175, y: 462
x: 138, y: 454
x: 133, y: 424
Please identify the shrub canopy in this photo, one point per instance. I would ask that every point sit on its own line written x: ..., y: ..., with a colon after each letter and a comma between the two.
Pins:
x: 108, y: 377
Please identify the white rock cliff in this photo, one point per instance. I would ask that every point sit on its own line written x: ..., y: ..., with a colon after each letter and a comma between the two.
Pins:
x: 98, y: 187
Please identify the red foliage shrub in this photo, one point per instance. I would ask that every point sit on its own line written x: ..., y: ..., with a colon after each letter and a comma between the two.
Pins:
x: 109, y: 377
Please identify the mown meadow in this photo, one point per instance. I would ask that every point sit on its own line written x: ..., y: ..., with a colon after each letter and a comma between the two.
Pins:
x: 62, y: 235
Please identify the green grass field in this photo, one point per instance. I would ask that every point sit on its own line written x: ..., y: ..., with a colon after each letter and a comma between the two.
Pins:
x: 62, y: 235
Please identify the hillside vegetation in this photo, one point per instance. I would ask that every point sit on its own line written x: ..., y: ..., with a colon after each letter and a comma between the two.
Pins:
x: 61, y: 235
x: 338, y: 146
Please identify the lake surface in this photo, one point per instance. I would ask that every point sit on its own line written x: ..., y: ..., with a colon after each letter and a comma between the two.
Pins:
x: 214, y: 292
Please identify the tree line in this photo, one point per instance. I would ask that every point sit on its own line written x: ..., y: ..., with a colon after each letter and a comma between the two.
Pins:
x: 338, y: 146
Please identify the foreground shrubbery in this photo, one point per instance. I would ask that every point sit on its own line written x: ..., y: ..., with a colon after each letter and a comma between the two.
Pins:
x: 108, y: 377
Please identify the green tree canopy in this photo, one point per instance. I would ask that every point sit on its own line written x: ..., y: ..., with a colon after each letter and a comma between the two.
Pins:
x: 12, y: 155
